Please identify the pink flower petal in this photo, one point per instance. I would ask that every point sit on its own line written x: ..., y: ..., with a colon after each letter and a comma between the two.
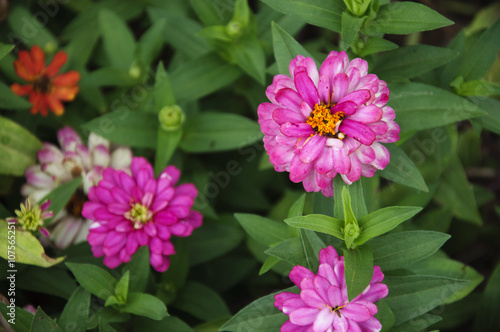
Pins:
x: 299, y: 273
x: 312, y: 148
x: 304, y: 316
x: 296, y: 129
x: 289, y: 99
x: 282, y: 115
x: 324, y: 320
x: 358, y: 131
x: 367, y: 114
x: 305, y: 87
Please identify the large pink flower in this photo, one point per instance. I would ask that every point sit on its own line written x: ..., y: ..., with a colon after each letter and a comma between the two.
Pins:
x: 139, y: 210
x: 320, y: 124
x: 322, y: 304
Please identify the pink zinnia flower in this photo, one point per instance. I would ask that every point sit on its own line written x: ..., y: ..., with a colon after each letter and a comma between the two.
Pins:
x: 322, y: 304
x: 320, y: 124
x: 138, y: 210
x: 60, y: 165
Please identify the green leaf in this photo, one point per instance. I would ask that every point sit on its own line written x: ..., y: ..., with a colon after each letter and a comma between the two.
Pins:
x: 269, y: 263
x: 164, y: 96
x: 479, y: 58
x: 382, y: 221
x: 411, y: 61
x: 491, y: 121
x: 11, y: 101
x: 319, y: 223
x: 264, y: 230
x: 249, y: 56
x: 290, y: 250
x: 322, y: 13
x: 42, y: 322
x: 139, y: 269
x: 181, y: 33
x: 5, y: 49
x: 56, y: 281
x: 118, y: 41
x: 126, y: 127
x: 212, y: 241
x: 398, y: 250
x: 403, y: 18
x: 375, y: 45
x: 60, y: 196
x: 97, y: 281
x: 419, y: 323
x: 489, y: 306
x: 444, y: 267
x: 108, y: 76
x: 385, y: 315
x: 80, y: 49
x: 312, y: 244
x: 201, y: 302
x: 350, y: 28
x: 297, y: 209
x: 356, y: 194
x: 26, y: 27
x: 212, y: 132
x: 121, y: 288
x: 457, y: 194
x: 259, y: 316
x: 476, y: 88
x: 151, y: 43
x: 402, y: 169
x: 28, y: 249
x: 285, y: 48
x: 210, y: 13
x: 166, y: 324
x: 23, y: 319
x: 412, y: 296
x: 202, y: 76
x: 18, y: 148
x: 146, y: 305
x: 358, y: 270
x: 420, y: 106
x: 105, y: 327
x: 76, y: 311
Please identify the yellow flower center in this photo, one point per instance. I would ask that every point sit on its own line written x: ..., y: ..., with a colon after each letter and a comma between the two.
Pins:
x: 42, y: 84
x: 324, y: 122
x: 139, y: 214
x: 30, y: 217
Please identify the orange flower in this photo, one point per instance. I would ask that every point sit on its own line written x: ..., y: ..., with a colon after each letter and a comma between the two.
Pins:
x: 46, y: 89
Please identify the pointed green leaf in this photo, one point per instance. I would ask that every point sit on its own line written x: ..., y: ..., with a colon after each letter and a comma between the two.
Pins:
x: 250, y: 57
x: 23, y: 319
x: 211, y: 132
x: 146, y: 305
x: 297, y: 209
x: 319, y: 223
x: 76, y: 311
x: 480, y: 57
x: 28, y: 249
x: 121, y: 288
x: 356, y: 194
x: 60, y: 196
x: 270, y: 262
x: 26, y: 26
x: 164, y: 96
x: 411, y: 61
x: 202, y: 76
x: 404, y: 18
x: 201, y: 301
x: 97, y: 281
x: 375, y: 45
x: 126, y: 127
x: 402, y: 169
x: 398, y: 250
x: 11, y: 101
x: 358, y: 270
x: 290, y: 250
x: 489, y: 306
x: 421, y: 106
x: 118, y: 41
x: 419, y: 323
x: 265, y: 231
x: 312, y: 244
x: 491, y: 121
x: 259, y: 316
x: 43, y: 322
x: 384, y: 220
x: 412, y: 296
x: 169, y: 323
x: 285, y: 48
x: 322, y: 13
x: 385, y: 315
x: 209, y: 12
x: 5, y: 49
x: 350, y: 28
x: 151, y: 43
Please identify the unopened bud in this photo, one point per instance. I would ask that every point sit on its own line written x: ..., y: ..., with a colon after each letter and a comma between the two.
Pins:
x: 171, y: 117
x: 234, y: 29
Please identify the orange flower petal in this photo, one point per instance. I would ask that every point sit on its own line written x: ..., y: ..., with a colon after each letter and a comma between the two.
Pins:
x: 22, y: 71
x: 59, y: 60
x: 38, y: 59
x: 69, y: 78
x: 54, y: 104
x: 66, y: 93
x: 27, y: 62
x: 43, y: 105
x: 21, y: 90
x: 35, y: 101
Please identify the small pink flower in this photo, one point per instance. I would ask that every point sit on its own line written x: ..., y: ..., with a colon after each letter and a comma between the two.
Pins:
x: 327, y: 122
x: 322, y: 304
x: 139, y: 210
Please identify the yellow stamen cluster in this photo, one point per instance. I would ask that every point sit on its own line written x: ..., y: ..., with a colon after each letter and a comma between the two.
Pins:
x: 139, y: 214
x: 324, y: 122
x: 30, y: 217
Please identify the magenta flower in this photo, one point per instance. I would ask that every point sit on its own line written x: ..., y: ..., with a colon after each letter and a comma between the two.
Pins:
x: 320, y: 124
x: 138, y: 210
x: 322, y: 304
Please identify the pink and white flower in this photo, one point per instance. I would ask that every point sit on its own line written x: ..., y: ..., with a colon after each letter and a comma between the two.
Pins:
x: 139, y: 210
x: 58, y: 165
x: 323, y: 306
x: 327, y: 122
